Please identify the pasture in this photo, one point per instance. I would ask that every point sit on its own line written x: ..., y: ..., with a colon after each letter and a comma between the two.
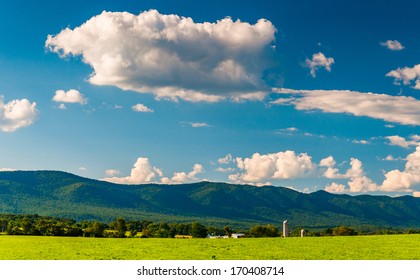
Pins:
x: 378, y: 247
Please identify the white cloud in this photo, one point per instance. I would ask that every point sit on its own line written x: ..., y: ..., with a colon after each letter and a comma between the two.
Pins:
x: 396, y: 140
x: 16, y: 114
x: 142, y: 108
x: 327, y: 162
x: 112, y: 172
x: 392, y: 158
x: 195, y: 124
x: 406, y: 75
x: 281, y: 165
x: 331, y: 172
x: 70, y: 96
x: 397, y: 109
x: 226, y: 160
x: 183, y: 177
x: 335, y: 188
x: 171, y: 56
x: 358, y: 182
x: 362, y: 142
x: 142, y: 172
x: 393, y: 45
x: 319, y: 60
x: 416, y: 194
x: 225, y: 170
x: 62, y: 106
x: 6, y: 169
x: 198, y: 124
x: 396, y: 180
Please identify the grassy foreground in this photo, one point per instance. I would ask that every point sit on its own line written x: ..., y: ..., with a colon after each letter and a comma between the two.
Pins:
x: 385, y: 247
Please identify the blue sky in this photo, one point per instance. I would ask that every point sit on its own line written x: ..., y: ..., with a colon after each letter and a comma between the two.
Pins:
x: 305, y: 94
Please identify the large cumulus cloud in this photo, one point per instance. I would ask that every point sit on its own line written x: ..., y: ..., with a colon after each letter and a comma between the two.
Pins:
x: 171, y: 56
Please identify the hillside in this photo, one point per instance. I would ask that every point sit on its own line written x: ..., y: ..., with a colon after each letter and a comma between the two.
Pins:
x: 55, y: 193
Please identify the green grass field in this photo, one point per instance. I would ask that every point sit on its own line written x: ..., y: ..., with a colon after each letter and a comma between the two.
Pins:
x: 384, y: 247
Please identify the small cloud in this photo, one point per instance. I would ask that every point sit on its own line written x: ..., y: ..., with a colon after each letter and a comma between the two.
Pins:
x: 406, y: 75
x: 142, y: 108
x: 196, y: 124
x: 396, y: 140
x: 112, y: 172
x: 62, y: 107
x: 70, y: 96
x: 82, y: 168
x: 183, y: 177
x: 319, y: 61
x: 226, y: 160
x: 16, y: 114
x: 199, y: 125
x: 118, y: 107
x: 362, y: 142
x: 335, y: 188
x: 392, y: 45
x: 389, y: 126
x: 392, y: 158
x: 225, y: 170
x: 416, y: 194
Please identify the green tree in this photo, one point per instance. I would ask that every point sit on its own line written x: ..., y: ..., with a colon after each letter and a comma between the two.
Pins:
x: 264, y: 231
x: 3, y: 224
x: 26, y: 225
x: 121, y: 227
x: 198, y: 230
x: 96, y: 229
x: 228, y: 231
x: 134, y: 227
x: 343, y: 231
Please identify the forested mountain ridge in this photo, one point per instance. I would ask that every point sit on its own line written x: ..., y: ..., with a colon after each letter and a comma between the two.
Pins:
x: 55, y: 193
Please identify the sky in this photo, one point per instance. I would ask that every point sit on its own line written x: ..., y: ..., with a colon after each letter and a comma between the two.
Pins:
x: 310, y: 95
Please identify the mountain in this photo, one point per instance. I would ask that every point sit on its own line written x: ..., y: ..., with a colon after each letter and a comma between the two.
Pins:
x: 54, y: 193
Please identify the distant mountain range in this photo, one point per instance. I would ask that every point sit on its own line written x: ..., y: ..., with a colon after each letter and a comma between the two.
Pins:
x: 54, y: 193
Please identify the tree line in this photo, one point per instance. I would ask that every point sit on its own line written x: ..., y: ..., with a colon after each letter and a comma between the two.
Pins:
x: 14, y: 224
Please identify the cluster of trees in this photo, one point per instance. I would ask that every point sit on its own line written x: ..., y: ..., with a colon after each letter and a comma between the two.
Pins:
x: 119, y: 228
x: 48, y: 226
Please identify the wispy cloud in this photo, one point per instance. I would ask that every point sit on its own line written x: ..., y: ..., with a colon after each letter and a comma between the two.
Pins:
x: 195, y: 124
x: 319, y: 60
x: 392, y: 45
x: 397, y: 109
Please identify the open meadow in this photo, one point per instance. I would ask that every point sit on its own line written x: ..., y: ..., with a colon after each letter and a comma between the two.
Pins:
x: 378, y: 247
